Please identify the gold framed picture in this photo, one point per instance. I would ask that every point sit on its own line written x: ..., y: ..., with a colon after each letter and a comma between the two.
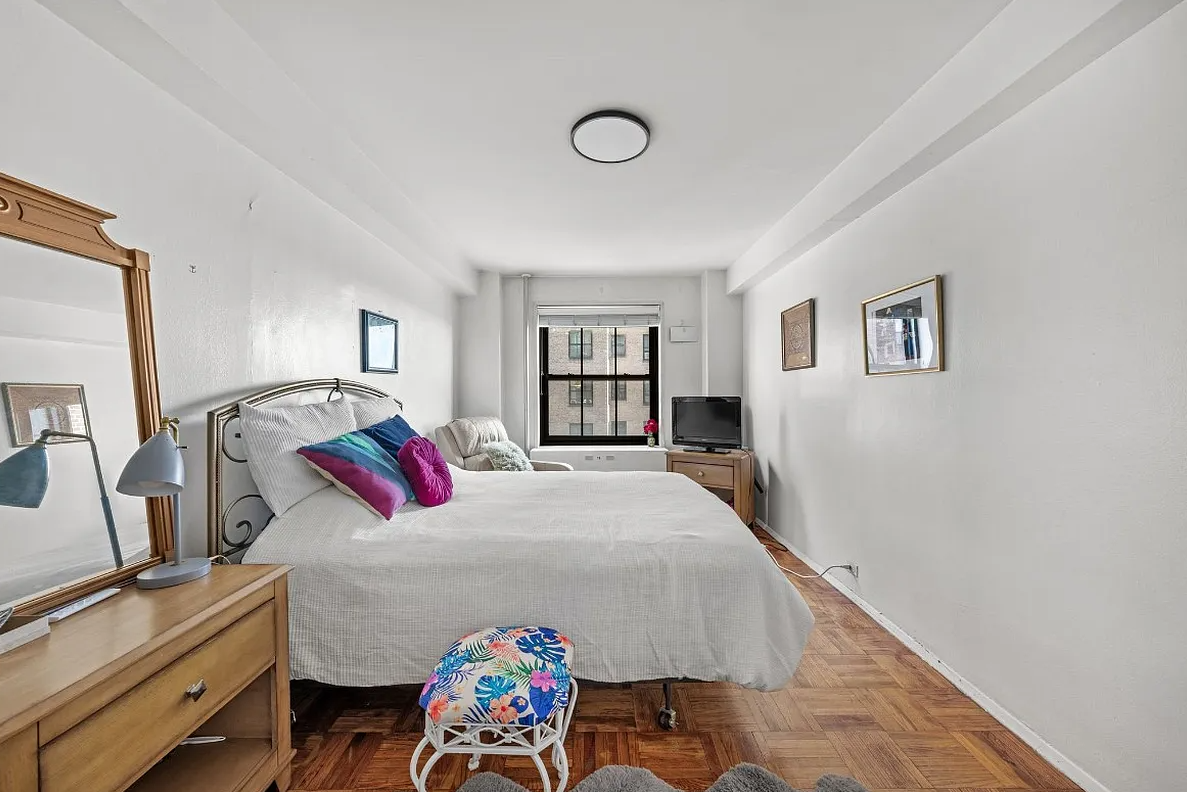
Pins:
x: 32, y: 407
x: 798, y: 329
x: 903, y: 330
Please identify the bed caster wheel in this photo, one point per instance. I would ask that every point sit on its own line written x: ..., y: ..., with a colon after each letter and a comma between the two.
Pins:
x: 472, y: 765
x: 667, y: 719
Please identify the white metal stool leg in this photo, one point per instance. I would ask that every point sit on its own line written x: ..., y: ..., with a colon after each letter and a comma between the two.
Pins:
x: 560, y: 759
x: 418, y: 780
x: 544, y: 774
x: 468, y: 740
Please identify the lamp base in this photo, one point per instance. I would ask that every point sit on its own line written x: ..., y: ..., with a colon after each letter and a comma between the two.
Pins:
x: 166, y: 575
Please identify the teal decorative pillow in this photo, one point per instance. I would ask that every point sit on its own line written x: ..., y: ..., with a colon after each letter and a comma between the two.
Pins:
x: 506, y: 455
x: 355, y: 464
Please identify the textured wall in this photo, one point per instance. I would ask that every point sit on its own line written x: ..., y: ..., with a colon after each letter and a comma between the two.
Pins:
x: 1022, y: 513
x: 278, y: 277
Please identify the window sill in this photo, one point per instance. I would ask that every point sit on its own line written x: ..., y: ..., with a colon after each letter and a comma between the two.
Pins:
x: 600, y: 448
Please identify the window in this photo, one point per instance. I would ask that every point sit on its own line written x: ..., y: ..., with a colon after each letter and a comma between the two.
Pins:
x: 580, y: 393
x: 580, y: 344
x: 586, y: 391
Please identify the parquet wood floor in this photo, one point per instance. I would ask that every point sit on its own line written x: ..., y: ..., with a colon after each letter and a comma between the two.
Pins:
x: 861, y: 704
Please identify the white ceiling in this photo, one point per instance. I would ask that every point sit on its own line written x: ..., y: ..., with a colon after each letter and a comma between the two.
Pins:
x: 466, y: 106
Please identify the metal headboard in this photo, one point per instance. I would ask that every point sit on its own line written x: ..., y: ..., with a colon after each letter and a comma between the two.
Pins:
x: 235, y: 512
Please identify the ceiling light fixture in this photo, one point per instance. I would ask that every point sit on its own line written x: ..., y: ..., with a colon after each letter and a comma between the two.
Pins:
x: 610, y: 136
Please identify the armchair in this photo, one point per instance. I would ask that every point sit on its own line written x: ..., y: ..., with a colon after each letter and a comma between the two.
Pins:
x: 461, y: 440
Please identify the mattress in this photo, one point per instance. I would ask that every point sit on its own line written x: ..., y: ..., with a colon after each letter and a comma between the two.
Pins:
x: 650, y: 575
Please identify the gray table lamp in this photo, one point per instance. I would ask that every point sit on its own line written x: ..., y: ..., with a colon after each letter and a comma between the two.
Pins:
x: 157, y: 470
x: 24, y: 479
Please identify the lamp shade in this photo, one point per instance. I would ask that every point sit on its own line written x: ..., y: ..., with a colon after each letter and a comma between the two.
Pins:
x: 155, y: 470
x: 24, y: 477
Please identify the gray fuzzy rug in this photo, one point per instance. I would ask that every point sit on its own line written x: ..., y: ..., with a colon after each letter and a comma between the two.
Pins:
x: 620, y: 778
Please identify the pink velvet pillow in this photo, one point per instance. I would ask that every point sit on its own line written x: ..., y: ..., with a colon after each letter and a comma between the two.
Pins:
x: 426, y: 470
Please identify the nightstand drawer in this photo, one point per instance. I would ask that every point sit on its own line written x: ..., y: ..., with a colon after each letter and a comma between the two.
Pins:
x: 119, y: 742
x: 706, y: 475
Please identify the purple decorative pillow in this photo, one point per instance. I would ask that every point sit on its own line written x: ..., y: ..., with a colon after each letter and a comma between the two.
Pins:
x: 427, y: 471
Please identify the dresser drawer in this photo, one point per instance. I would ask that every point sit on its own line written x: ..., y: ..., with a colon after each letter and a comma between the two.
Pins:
x: 119, y: 742
x: 707, y: 475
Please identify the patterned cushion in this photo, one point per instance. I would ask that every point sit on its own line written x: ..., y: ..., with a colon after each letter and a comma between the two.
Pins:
x: 501, y: 675
x: 355, y: 464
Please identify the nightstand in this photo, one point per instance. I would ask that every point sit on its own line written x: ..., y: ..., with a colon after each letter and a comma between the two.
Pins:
x: 730, y: 473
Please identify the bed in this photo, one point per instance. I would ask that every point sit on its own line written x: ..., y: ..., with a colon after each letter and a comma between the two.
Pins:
x: 653, y: 577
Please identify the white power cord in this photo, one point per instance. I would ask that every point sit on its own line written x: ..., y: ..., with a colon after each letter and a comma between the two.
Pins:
x: 820, y: 574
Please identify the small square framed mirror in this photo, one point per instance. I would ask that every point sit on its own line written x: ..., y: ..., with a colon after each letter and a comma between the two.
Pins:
x: 380, y: 342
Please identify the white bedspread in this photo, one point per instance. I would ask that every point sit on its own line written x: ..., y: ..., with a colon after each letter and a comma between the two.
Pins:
x: 650, y: 575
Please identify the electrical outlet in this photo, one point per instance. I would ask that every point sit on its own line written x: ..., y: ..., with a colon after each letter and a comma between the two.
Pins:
x: 853, y: 570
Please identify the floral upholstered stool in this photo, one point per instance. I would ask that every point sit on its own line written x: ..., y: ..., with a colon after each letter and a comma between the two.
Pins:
x: 502, y: 690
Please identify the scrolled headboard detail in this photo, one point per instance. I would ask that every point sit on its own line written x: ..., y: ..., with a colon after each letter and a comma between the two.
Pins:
x: 235, y: 512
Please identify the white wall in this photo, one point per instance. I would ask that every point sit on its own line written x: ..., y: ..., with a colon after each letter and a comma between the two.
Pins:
x: 480, y: 349
x: 279, y: 276
x: 721, y: 316
x: 1020, y: 514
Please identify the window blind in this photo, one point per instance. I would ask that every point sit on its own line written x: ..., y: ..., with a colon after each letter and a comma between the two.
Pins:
x: 598, y: 316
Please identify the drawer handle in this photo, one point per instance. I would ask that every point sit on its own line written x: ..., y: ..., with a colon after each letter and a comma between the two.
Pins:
x: 195, y: 691
x: 700, y: 473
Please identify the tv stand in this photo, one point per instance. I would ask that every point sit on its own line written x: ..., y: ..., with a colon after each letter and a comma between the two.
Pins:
x: 729, y: 473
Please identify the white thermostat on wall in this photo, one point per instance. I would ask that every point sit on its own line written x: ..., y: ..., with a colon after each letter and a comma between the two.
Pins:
x: 684, y: 335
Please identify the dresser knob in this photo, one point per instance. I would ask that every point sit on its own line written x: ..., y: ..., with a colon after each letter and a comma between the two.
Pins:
x: 700, y: 473
x: 195, y: 691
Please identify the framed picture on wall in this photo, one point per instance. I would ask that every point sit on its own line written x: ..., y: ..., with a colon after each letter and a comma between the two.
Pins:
x: 32, y: 407
x: 380, y: 343
x: 903, y: 330
x: 798, y: 329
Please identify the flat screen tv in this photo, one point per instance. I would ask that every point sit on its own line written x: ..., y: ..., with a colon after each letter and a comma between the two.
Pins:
x: 711, y: 422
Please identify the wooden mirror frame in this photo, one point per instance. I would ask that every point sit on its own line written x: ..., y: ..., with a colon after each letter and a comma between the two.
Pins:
x: 32, y: 214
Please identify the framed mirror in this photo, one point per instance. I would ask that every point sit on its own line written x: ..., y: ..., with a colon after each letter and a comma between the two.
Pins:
x: 77, y: 359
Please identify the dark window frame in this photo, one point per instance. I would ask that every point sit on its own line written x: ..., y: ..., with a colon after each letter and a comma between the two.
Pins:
x: 651, y: 357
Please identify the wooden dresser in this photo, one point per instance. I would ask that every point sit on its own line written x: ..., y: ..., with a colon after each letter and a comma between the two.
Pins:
x: 103, y: 702
x: 729, y: 473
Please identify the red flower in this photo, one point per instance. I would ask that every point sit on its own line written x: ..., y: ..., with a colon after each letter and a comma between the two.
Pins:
x: 651, y: 426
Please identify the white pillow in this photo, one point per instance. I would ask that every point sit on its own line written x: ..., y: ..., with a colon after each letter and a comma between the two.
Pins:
x: 368, y: 412
x: 272, y: 435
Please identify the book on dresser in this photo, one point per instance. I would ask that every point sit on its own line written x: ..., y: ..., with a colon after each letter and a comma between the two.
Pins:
x: 104, y: 703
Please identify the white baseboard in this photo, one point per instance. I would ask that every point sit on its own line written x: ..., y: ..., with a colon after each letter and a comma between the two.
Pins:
x: 1065, y: 765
